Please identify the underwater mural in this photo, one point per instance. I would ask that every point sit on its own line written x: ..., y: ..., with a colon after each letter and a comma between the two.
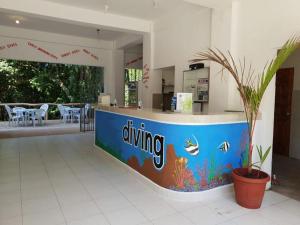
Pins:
x: 180, y: 157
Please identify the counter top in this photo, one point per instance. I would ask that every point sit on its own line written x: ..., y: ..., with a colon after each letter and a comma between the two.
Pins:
x: 175, y: 117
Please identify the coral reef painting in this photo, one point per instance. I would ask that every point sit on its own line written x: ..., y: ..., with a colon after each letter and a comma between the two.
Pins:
x: 159, y: 151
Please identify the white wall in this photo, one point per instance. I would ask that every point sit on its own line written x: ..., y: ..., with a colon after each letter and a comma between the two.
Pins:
x: 221, y: 39
x: 58, y: 45
x: 294, y: 62
x: 133, y: 57
x: 178, y: 36
x: 261, y: 28
x: 118, y: 71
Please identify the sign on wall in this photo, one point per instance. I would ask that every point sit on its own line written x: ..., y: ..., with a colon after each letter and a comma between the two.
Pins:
x: 44, y: 51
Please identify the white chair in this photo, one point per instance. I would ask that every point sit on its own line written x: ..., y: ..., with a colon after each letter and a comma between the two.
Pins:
x: 37, y: 114
x: 12, y: 118
x: 86, y: 110
x: 64, y: 115
x: 45, y: 108
x: 76, y: 115
x: 20, y: 112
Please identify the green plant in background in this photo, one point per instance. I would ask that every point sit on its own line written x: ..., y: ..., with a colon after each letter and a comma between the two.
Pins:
x: 250, y: 87
x: 38, y: 82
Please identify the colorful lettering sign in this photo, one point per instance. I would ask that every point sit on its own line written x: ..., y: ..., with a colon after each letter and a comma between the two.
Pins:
x: 134, y: 61
x: 145, y: 141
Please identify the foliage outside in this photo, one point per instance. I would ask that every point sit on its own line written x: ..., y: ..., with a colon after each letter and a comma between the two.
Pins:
x: 37, y: 82
x: 250, y: 87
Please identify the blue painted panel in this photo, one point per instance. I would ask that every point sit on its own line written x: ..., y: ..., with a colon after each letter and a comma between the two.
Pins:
x: 195, y: 157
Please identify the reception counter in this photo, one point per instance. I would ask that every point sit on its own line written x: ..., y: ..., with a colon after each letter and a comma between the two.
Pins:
x: 181, y: 152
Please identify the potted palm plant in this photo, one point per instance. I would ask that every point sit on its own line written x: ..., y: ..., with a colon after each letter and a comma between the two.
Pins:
x: 250, y: 182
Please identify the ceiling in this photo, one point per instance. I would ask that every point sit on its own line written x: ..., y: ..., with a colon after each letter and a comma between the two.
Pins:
x: 142, y: 9
x: 30, y: 22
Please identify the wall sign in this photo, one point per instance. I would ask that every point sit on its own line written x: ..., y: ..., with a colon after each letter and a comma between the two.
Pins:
x: 47, y: 52
x: 146, y: 76
x: 42, y: 50
x: 10, y: 45
x: 90, y: 54
x: 134, y: 61
x: 75, y: 51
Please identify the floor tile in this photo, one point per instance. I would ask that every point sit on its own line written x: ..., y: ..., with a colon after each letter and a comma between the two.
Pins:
x: 227, y: 208
x: 10, y: 197
x: 113, y: 203
x: 34, y: 193
x: 49, y: 217
x: 175, y: 219
x: 72, y: 195
x: 291, y: 206
x: 39, y: 205
x: 182, y: 205
x: 11, y: 221
x: 280, y: 216
x: 101, y: 192
x: 253, y: 218
x: 91, y: 220
x: 271, y: 198
x: 154, y: 209
x: 80, y: 210
x: 128, y: 216
x: 204, y: 215
x: 9, y: 211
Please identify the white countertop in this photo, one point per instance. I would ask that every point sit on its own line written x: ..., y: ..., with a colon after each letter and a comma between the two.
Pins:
x: 177, y: 118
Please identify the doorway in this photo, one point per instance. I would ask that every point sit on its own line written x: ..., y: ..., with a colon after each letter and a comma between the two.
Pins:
x: 286, y: 157
x: 133, y: 72
x: 283, y: 111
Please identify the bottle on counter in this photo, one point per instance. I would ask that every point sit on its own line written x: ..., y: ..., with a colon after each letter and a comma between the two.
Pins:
x: 173, y: 103
x: 115, y: 103
x: 140, y: 104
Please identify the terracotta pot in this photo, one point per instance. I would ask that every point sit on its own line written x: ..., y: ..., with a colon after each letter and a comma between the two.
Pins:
x: 249, y: 192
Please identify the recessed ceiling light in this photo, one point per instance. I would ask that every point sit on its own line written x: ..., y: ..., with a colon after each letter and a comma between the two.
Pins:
x: 17, y: 21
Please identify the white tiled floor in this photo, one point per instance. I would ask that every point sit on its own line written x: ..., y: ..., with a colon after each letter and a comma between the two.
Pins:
x: 64, y: 180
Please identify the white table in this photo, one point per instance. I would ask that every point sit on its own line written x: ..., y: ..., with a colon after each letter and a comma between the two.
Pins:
x: 26, y: 114
x: 72, y: 111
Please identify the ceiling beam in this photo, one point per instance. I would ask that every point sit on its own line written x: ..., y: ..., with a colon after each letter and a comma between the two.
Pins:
x: 76, y: 15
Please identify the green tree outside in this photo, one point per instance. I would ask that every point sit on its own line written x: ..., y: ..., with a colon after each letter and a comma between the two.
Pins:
x: 38, y: 82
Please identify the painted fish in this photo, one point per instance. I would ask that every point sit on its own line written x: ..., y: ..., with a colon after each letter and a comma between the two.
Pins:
x: 224, y: 147
x: 191, y: 148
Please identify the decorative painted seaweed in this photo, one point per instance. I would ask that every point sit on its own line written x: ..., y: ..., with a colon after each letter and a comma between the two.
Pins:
x: 182, y: 176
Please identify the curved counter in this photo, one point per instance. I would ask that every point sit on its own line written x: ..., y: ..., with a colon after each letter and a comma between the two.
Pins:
x: 181, y: 152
